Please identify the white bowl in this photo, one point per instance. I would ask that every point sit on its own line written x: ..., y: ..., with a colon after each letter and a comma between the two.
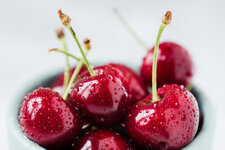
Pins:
x: 18, y: 141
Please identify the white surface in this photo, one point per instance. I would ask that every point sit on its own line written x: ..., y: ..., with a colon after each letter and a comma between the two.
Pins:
x: 27, y: 31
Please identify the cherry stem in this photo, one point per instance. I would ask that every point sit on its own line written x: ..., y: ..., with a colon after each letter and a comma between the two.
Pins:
x: 64, y: 52
x: 67, y: 66
x: 75, y: 74
x: 130, y: 30
x: 61, y: 37
x: 90, y: 69
x: 165, y: 21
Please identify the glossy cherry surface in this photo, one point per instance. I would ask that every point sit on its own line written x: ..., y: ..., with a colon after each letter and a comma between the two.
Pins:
x: 47, y: 119
x: 174, y: 65
x: 103, y: 140
x: 170, y: 123
x: 58, y: 83
x: 138, y: 89
x: 102, y: 99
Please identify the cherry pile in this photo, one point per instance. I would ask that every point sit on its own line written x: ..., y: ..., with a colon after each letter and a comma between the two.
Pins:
x: 85, y: 106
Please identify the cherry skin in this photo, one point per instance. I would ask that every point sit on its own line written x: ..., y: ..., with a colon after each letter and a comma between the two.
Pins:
x: 103, y: 99
x: 58, y: 83
x: 174, y: 65
x: 103, y: 140
x: 137, y: 87
x: 48, y: 120
x: 71, y: 103
x: 170, y: 123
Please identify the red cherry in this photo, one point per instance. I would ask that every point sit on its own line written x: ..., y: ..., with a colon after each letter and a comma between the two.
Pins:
x: 47, y: 119
x: 174, y: 65
x: 170, y: 123
x: 103, y: 99
x: 58, y: 83
x: 103, y: 140
x: 137, y: 87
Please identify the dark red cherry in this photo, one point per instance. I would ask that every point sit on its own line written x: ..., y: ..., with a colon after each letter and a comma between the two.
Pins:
x: 174, y: 65
x: 102, y: 99
x: 170, y: 123
x: 47, y: 119
x: 58, y: 83
x: 103, y: 140
x: 137, y: 87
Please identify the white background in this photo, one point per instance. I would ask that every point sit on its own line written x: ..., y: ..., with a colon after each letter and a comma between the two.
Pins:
x: 27, y: 31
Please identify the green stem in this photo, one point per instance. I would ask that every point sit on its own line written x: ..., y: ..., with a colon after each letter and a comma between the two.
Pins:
x: 130, y: 30
x: 67, y: 66
x: 90, y: 69
x: 67, y: 54
x: 154, y: 67
x: 75, y: 73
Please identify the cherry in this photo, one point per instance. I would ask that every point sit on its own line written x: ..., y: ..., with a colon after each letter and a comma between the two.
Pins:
x: 48, y: 120
x: 170, y: 123
x: 174, y: 64
x: 167, y: 118
x: 102, y: 99
x: 103, y: 139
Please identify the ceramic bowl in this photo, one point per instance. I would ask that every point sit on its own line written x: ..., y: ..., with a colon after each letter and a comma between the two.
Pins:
x: 18, y: 141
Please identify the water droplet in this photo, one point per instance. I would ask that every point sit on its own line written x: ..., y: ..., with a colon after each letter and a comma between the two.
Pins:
x: 31, y: 134
x: 102, y: 119
x: 172, y: 116
x: 183, y: 117
x: 59, y: 111
x: 176, y: 103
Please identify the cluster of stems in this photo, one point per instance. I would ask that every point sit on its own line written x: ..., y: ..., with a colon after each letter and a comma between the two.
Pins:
x: 81, y: 61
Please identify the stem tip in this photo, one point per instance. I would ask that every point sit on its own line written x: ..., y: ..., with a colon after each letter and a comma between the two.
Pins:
x: 87, y: 44
x: 52, y: 49
x: 167, y: 18
x: 60, y: 33
x: 64, y: 18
